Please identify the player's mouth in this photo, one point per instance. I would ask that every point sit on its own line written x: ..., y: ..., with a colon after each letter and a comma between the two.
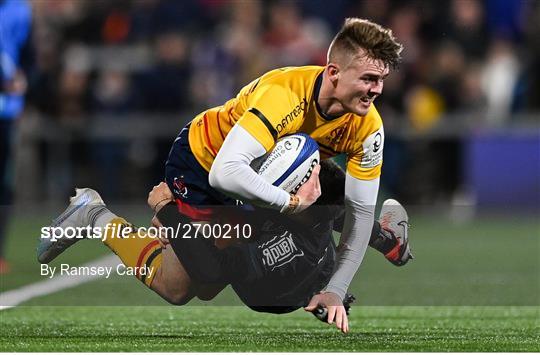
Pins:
x: 366, y: 101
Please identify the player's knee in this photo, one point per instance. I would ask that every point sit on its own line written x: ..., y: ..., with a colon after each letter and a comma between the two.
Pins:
x: 178, y: 298
x: 176, y: 292
x: 177, y: 295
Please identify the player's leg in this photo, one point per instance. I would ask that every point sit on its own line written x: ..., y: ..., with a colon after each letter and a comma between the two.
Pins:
x: 172, y: 282
x: 163, y: 272
x: 390, y: 233
x: 168, y: 279
x: 195, y: 200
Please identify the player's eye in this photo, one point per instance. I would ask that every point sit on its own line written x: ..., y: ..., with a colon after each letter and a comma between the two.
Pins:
x: 371, y: 79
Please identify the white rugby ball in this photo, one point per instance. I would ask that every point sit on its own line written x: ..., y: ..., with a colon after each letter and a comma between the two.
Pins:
x: 290, y: 163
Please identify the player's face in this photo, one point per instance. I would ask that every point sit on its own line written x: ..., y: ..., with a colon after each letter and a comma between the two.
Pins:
x: 360, y: 84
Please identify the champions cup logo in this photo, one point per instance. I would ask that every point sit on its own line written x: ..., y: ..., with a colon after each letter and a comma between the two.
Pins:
x: 377, y: 143
x: 314, y: 162
x: 302, y: 106
x: 373, y: 150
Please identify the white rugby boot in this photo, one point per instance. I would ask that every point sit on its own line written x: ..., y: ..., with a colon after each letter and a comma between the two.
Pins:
x: 82, y: 211
x: 395, y: 221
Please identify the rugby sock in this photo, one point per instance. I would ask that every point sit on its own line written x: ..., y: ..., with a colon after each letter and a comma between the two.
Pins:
x: 135, y: 248
x: 381, y: 239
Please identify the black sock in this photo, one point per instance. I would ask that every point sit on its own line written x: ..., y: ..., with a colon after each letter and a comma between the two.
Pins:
x: 381, y: 239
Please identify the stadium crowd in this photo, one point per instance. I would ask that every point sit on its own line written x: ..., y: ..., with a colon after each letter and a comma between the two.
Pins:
x: 170, y: 56
x: 463, y: 59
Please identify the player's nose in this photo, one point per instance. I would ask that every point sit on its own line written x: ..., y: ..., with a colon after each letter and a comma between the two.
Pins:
x: 376, y: 88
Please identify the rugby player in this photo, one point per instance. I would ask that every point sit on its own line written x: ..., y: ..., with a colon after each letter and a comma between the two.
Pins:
x: 287, y: 260
x: 209, y: 162
x: 290, y: 257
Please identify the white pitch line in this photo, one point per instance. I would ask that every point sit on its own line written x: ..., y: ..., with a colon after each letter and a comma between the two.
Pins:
x: 15, y: 297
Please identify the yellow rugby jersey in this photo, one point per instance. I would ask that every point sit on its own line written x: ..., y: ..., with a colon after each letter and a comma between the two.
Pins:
x: 282, y: 102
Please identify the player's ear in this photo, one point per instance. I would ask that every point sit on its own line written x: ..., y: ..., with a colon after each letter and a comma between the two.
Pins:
x: 332, y: 69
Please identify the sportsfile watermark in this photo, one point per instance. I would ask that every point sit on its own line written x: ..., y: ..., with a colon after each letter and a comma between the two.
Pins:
x: 105, y: 271
x: 182, y: 230
x: 462, y: 257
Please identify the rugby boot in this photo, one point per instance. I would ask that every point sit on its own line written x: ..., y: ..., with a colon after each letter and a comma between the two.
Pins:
x: 82, y: 211
x: 393, y: 239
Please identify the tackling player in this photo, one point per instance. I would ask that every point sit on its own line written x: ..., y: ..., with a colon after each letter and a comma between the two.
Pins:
x: 287, y: 260
x: 209, y: 163
x: 290, y: 257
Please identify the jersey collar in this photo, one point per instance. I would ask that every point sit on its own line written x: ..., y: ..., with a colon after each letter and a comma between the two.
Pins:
x: 317, y: 89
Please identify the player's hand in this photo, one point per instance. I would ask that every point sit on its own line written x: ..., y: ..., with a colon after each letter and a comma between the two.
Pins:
x: 159, y: 196
x: 310, y: 191
x: 334, y: 305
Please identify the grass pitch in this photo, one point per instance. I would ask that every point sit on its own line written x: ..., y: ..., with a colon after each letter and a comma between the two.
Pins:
x: 238, y: 329
x: 472, y: 287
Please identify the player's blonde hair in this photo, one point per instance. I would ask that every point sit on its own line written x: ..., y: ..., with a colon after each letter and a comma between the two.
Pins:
x: 376, y: 41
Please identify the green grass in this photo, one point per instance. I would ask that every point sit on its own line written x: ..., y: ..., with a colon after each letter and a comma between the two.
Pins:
x: 238, y: 329
x: 472, y: 287
x: 489, y: 261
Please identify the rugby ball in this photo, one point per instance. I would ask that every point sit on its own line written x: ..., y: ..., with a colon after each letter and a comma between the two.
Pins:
x: 290, y: 163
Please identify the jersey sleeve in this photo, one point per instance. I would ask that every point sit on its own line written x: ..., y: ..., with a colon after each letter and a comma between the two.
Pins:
x: 365, y: 162
x: 274, y: 111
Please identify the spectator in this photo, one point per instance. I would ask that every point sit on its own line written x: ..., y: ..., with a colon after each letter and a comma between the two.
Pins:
x: 15, y: 22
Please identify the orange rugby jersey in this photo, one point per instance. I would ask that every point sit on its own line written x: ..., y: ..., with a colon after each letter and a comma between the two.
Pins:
x: 282, y: 102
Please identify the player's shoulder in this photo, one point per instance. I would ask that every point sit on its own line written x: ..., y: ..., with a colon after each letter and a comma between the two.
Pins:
x: 291, y: 74
x: 374, y: 117
x: 372, y: 121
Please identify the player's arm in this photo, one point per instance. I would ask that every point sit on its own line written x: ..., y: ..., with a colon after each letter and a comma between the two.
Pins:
x: 251, y: 137
x: 360, y: 200
x: 232, y: 174
x: 361, y: 189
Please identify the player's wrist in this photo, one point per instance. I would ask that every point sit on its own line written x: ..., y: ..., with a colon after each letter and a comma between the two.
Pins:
x: 160, y: 204
x: 336, y: 293
x: 292, y: 206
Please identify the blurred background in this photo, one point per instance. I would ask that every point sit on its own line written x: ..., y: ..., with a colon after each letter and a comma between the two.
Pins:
x: 111, y: 83
x: 94, y: 92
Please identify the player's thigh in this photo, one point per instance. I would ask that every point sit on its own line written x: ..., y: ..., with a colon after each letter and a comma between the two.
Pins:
x: 172, y: 282
x: 207, y: 292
